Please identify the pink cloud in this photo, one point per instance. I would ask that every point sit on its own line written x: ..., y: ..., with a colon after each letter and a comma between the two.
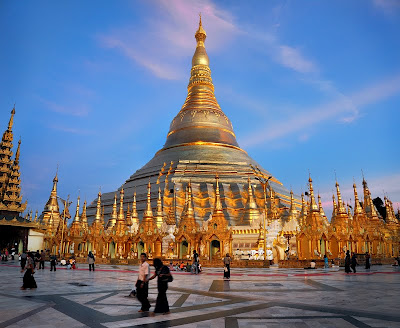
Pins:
x: 161, y: 43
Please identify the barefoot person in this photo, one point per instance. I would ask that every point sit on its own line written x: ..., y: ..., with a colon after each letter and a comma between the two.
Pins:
x: 91, y: 261
x: 28, y: 280
x: 164, y: 276
x: 142, y: 285
x: 227, y: 266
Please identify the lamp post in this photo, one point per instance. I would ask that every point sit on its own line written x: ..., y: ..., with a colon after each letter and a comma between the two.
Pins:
x: 263, y: 179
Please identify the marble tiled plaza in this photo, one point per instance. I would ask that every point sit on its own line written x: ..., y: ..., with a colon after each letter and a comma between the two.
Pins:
x: 253, y: 298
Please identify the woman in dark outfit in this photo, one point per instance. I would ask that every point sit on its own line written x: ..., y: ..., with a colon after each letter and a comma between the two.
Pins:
x: 227, y: 266
x: 163, y: 277
x: 347, y: 262
x: 28, y: 280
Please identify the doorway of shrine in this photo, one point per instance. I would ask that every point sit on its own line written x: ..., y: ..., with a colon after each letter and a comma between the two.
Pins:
x: 112, y: 250
x: 322, y: 246
x: 140, y: 248
x: 215, y: 249
x: 184, y: 249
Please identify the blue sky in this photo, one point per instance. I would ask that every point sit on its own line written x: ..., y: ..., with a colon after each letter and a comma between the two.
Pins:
x: 310, y: 85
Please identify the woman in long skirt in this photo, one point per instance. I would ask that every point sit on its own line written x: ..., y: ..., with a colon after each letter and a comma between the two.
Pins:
x: 227, y: 266
x: 163, y: 277
x: 29, y: 280
x: 347, y: 262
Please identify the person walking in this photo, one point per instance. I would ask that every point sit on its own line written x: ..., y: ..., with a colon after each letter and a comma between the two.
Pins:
x: 142, y: 285
x: 42, y: 259
x: 24, y: 257
x: 353, y: 262
x: 347, y: 261
x: 163, y: 277
x: 195, y: 262
x: 37, y: 259
x: 227, y: 266
x: 326, y: 262
x: 91, y: 260
x: 367, y: 261
x: 53, y: 262
x: 29, y: 280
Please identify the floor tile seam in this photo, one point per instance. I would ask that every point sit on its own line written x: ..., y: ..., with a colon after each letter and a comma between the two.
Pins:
x: 25, y: 315
x: 198, y: 318
x: 206, y: 293
x: 342, y: 311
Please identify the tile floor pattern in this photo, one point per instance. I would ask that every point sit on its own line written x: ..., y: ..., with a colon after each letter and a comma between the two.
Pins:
x: 253, y: 298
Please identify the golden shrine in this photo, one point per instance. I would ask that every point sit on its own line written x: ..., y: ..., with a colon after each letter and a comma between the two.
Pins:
x: 202, y: 192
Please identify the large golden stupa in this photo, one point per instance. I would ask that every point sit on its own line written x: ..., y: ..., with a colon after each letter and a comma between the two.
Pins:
x: 202, y: 192
x: 200, y: 144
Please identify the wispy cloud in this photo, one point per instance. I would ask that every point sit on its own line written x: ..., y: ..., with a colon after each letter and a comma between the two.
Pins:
x: 336, y: 109
x: 387, y: 6
x: 159, y: 44
x: 292, y: 58
x: 69, y: 130
x: 80, y: 110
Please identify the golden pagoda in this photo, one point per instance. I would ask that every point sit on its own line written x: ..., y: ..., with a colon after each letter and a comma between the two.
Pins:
x: 200, y: 143
x: 215, y: 199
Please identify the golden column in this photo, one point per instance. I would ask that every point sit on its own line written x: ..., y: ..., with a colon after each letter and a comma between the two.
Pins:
x: 263, y: 179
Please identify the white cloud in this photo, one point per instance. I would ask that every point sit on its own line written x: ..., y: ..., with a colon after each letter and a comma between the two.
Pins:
x: 80, y: 110
x: 292, y: 58
x: 164, y: 40
x: 342, y: 105
x: 71, y: 130
x: 387, y: 6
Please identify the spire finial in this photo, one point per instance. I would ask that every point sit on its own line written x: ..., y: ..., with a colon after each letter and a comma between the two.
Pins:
x: 10, y: 123
x: 18, y: 151
x: 200, y: 34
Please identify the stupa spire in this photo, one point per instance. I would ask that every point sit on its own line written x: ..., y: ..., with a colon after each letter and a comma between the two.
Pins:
x: 121, y: 214
x: 134, y: 214
x: 357, y: 206
x: 76, y: 218
x: 341, y: 208
x: 114, y: 214
x: 97, y: 217
x: 334, y: 210
x: 321, y: 210
x: 313, y: 204
x: 159, y: 212
x: 11, y: 121
x: 190, y: 210
x: 16, y: 160
x: 201, y: 120
x: 148, y: 211
x: 84, y: 217
x: 218, y: 204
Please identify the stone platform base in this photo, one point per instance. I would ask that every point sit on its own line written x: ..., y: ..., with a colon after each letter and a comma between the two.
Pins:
x: 204, y: 263
x: 300, y: 263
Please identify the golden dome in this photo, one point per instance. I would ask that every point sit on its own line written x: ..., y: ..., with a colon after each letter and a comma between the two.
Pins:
x: 201, y: 120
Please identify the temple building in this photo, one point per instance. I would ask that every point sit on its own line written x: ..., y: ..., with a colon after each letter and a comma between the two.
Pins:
x: 202, y: 192
x: 200, y: 144
x: 14, y: 229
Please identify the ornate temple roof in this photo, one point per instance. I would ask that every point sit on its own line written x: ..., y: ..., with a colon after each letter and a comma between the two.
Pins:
x: 200, y: 144
x: 10, y: 189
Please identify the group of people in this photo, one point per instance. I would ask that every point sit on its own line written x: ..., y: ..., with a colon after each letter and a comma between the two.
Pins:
x: 163, y: 275
x: 350, y: 261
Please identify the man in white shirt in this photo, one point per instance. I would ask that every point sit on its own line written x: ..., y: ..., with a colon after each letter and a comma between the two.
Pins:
x: 142, y: 285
